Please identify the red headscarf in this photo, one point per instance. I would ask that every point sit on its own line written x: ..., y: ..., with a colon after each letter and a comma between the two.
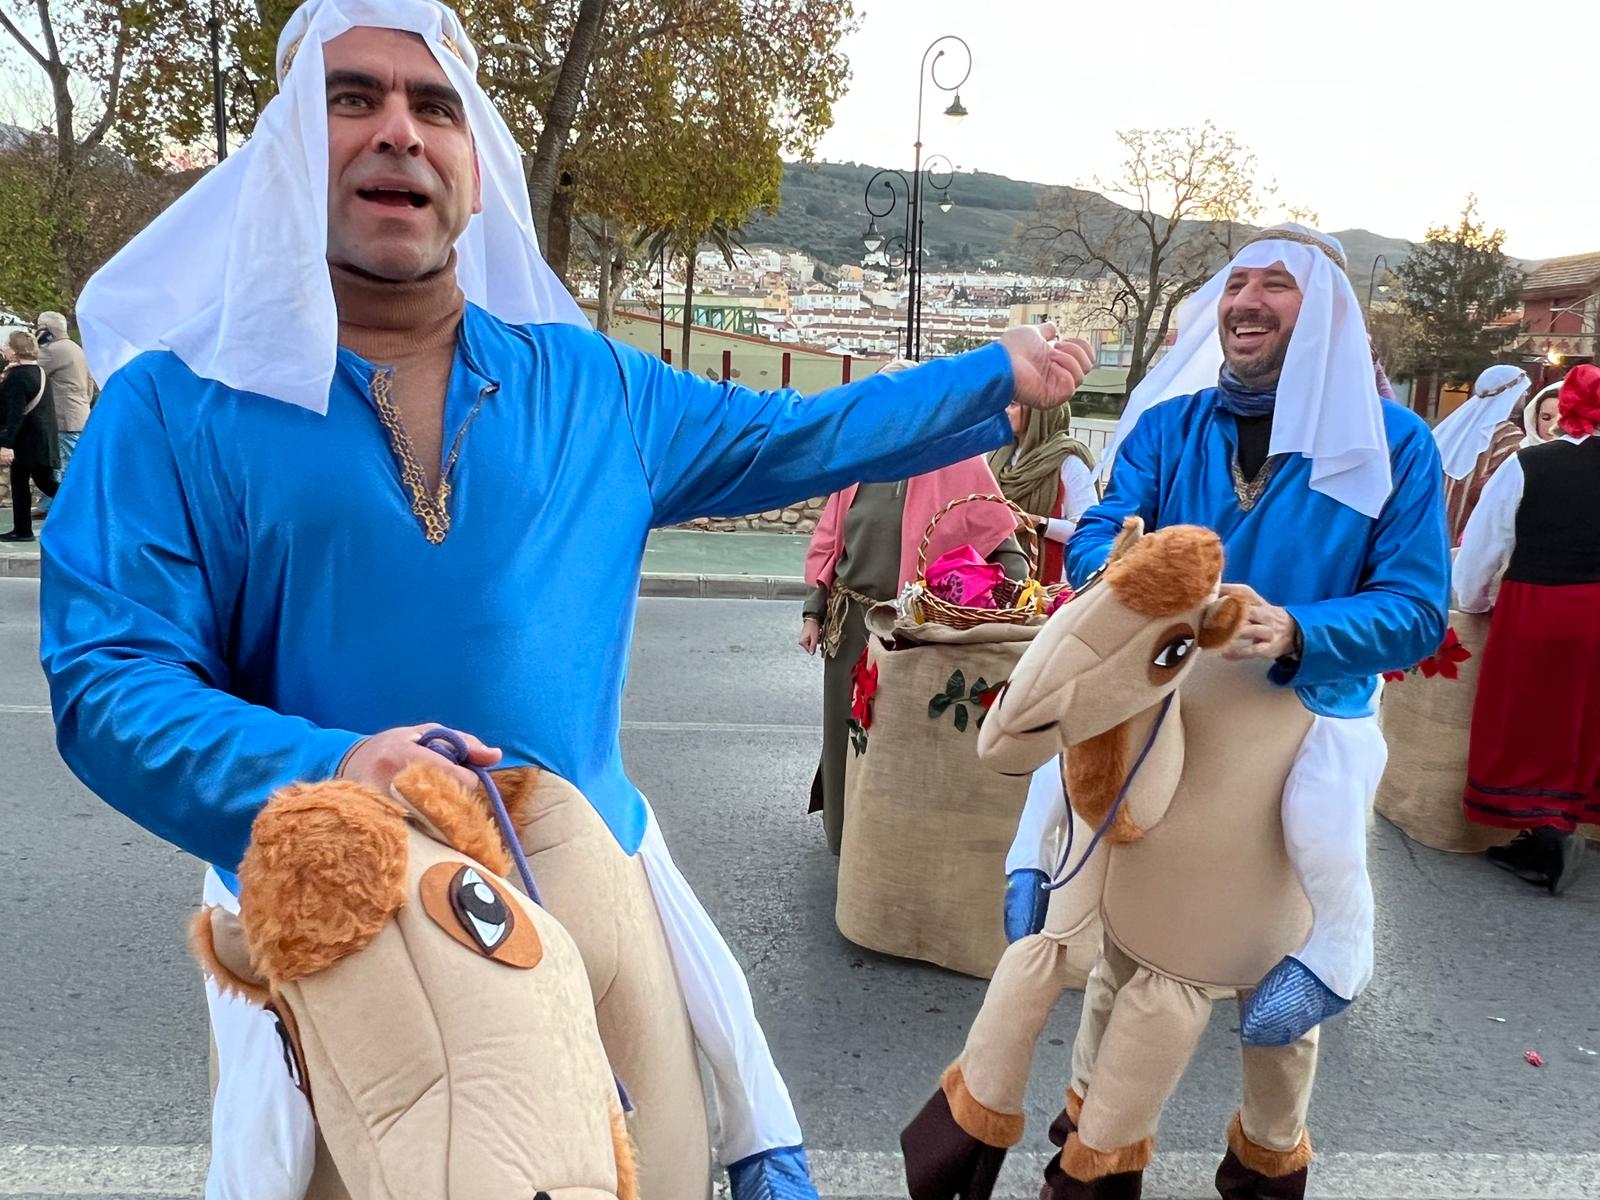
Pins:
x: 1580, y: 401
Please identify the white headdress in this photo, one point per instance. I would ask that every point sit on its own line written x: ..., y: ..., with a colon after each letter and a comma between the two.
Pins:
x: 1328, y: 408
x: 233, y: 278
x: 1467, y: 432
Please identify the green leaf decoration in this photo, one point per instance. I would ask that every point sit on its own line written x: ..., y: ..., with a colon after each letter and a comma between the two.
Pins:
x: 978, y: 689
x: 957, y: 685
x: 938, y: 704
x: 961, y: 718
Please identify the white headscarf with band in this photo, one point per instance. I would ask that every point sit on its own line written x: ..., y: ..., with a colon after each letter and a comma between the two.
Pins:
x: 233, y: 278
x: 1328, y: 408
x: 1466, y: 433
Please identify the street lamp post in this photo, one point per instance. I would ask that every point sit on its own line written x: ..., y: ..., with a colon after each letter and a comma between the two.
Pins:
x: 939, y: 174
x: 937, y: 49
x: 875, y: 241
x: 218, y: 112
x: 1373, y: 282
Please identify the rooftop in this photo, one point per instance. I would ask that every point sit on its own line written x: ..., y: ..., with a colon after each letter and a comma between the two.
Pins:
x: 1575, y: 271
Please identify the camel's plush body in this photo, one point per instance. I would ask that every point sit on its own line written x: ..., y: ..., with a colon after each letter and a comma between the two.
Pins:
x: 1181, y: 758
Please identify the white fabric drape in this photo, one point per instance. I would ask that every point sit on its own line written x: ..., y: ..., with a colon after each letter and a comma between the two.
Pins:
x: 1466, y: 433
x: 1328, y: 407
x: 233, y: 278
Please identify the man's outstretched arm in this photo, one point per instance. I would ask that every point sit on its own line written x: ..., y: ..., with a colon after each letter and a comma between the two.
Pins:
x: 718, y: 449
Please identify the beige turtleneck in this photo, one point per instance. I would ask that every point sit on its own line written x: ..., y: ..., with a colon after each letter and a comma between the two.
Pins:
x: 409, y: 327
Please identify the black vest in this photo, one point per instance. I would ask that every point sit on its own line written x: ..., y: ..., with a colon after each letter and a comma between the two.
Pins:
x: 1558, y: 522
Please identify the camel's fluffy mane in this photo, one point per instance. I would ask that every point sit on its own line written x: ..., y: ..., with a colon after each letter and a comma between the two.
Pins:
x: 326, y: 868
x: 1171, y: 571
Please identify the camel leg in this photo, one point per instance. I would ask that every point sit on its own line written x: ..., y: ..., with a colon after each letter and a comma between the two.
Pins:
x: 1143, y: 1049
x: 1269, y: 1149
x: 961, y: 1135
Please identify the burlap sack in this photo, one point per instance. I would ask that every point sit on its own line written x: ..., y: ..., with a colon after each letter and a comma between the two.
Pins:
x: 926, y: 825
x: 1426, y: 723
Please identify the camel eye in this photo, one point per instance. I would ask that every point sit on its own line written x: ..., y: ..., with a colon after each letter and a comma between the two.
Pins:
x: 1173, y: 653
x: 477, y: 910
x: 480, y: 909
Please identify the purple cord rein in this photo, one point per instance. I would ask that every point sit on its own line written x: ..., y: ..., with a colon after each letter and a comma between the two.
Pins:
x: 450, y: 744
x: 1063, y: 877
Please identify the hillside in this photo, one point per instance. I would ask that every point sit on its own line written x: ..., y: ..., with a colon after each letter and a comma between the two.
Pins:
x: 822, y: 215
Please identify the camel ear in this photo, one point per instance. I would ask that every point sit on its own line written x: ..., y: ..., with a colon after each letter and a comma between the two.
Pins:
x: 1132, y: 531
x: 1221, y: 621
x: 217, y: 942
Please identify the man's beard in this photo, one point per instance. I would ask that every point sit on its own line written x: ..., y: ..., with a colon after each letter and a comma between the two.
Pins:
x: 1258, y: 372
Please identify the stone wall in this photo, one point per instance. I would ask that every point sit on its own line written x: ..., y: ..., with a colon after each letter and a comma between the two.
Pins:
x: 798, y: 518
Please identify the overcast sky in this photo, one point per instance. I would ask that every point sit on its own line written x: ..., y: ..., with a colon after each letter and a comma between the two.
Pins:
x: 1379, y: 114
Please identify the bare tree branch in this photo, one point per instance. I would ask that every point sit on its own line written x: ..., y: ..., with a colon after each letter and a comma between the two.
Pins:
x: 113, y: 90
x: 23, y: 41
x: 51, y: 49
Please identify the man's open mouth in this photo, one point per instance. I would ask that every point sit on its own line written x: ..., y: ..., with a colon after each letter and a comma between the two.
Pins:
x: 393, y: 197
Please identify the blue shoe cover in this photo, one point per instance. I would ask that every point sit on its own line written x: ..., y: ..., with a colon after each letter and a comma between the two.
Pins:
x: 781, y: 1174
x: 1288, y: 1004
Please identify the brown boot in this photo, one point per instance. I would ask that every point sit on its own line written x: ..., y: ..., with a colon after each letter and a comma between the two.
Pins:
x: 943, y: 1160
x: 1081, y: 1173
x: 1066, y: 1124
x: 1252, y: 1172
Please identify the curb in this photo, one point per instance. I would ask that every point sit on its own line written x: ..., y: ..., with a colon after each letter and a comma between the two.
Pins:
x: 662, y: 584
x: 723, y: 587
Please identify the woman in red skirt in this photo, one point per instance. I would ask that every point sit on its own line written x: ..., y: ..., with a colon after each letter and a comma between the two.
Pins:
x: 1534, y: 762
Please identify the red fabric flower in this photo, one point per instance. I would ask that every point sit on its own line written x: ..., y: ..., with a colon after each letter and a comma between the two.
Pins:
x: 988, y: 696
x: 1443, y: 662
x: 863, y: 687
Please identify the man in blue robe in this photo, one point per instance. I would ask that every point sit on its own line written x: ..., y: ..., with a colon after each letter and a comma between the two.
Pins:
x: 1265, y: 425
x: 360, y: 469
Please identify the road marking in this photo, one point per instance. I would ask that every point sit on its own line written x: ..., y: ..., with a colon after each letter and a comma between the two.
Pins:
x: 770, y: 730
x: 89, y: 1171
x: 718, y: 727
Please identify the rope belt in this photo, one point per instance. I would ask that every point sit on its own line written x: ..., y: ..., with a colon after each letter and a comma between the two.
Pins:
x: 839, y: 598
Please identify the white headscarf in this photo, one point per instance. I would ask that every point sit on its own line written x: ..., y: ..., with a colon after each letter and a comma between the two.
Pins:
x: 233, y: 278
x: 1530, y: 418
x: 1328, y: 408
x: 1466, y: 433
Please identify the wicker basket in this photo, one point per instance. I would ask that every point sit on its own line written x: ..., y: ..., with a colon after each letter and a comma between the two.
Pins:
x: 1021, y: 602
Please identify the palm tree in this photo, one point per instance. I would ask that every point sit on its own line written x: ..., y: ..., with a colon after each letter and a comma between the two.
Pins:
x: 673, y: 239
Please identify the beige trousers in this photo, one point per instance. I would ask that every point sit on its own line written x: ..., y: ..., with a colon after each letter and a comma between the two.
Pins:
x: 1138, y: 1032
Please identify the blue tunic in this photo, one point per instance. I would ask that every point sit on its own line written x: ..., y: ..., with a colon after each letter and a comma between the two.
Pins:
x: 235, y: 589
x: 1370, y: 595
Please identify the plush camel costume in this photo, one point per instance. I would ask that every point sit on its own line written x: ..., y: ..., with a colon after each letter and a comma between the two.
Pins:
x: 1193, y: 882
x: 440, y: 1022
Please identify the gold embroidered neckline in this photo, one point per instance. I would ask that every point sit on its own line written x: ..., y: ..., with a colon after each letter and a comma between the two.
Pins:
x: 1249, y: 492
x: 431, y: 508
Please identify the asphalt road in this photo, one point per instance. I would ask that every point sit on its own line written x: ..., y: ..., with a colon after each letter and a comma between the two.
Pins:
x: 1423, y: 1090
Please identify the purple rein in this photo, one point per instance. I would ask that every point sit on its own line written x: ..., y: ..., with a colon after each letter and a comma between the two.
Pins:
x: 450, y: 744
x: 1059, y: 880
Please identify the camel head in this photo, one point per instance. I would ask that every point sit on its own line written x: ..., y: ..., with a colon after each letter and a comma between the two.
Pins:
x: 1121, y: 645
x: 439, y: 1022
